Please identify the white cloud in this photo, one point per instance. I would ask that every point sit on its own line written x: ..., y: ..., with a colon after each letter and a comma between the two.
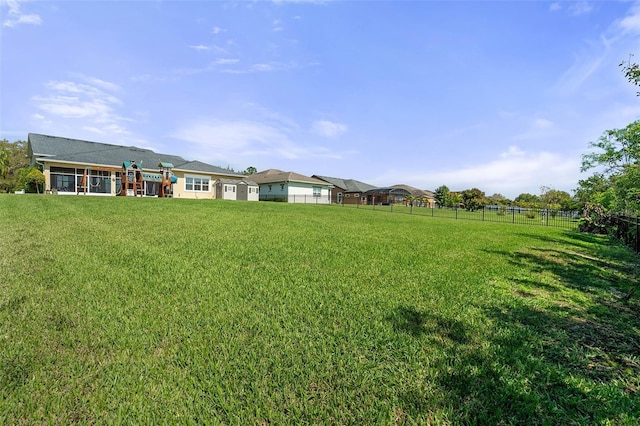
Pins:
x: 513, y: 172
x: 227, y: 61
x: 217, y: 30
x: 329, y: 129
x: 553, y: 7
x: 90, y: 105
x: 542, y: 123
x: 199, y: 47
x: 631, y: 22
x: 262, y: 67
x: 15, y: 16
x: 246, y: 141
x: 580, y: 8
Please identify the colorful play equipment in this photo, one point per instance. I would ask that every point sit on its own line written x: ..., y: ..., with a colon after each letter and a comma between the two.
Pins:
x: 133, y: 179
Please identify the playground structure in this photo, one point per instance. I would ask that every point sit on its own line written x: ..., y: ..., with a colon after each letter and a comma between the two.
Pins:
x: 133, y: 180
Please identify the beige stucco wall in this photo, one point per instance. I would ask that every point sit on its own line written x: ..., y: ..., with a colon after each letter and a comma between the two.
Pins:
x: 179, y: 188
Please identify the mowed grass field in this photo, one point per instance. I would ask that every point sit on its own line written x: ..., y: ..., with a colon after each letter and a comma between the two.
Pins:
x: 124, y: 310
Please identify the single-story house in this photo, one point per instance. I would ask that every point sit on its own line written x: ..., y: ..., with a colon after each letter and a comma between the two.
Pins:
x: 73, y: 166
x: 423, y: 198
x: 346, y: 191
x: 234, y: 189
x: 291, y: 187
x: 386, y: 195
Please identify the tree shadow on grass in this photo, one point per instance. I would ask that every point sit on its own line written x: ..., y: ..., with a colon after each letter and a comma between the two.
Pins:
x: 532, y: 368
x: 562, y: 348
x: 416, y: 323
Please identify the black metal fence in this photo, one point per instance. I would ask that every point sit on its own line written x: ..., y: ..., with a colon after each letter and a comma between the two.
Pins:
x: 626, y: 229
x: 503, y: 214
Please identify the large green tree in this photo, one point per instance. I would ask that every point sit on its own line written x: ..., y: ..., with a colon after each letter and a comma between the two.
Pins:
x: 442, y: 196
x: 13, y: 158
x: 473, y: 199
x: 616, y: 158
x: 527, y: 200
x: 31, y: 180
x: 555, y: 199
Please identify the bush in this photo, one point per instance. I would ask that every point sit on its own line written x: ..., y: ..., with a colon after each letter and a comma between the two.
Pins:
x: 594, y: 219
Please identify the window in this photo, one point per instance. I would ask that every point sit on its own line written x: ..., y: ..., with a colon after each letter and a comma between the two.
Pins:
x: 100, y: 181
x: 269, y: 188
x: 64, y: 179
x: 282, y: 186
x: 356, y: 195
x: 196, y: 184
x: 347, y: 195
x: 317, y: 191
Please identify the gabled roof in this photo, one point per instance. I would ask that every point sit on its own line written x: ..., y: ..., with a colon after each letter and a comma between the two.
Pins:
x: 276, y: 176
x: 66, y: 150
x: 347, y: 185
x: 237, y: 182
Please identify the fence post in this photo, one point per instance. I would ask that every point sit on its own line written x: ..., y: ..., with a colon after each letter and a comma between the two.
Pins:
x: 513, y: 215
x: 483, y: 213
x: 456, y: 212
x: 637, y: 234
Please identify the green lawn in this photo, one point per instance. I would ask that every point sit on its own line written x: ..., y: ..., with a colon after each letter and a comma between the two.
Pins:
x: 124, y: 310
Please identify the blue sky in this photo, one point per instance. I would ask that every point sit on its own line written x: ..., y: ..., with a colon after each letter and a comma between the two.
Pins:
x: 504, y: 96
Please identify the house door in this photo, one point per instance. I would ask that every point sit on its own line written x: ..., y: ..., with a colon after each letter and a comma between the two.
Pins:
x: 339, y: 198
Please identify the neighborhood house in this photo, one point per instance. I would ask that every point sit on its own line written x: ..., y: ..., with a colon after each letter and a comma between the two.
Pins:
x: 72, y: 166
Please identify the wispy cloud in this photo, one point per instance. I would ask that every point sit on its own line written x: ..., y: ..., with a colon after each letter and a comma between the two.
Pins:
x: 247, y: 141
x: 511, y: 173
x: 328, y: 129
x: 631, y: 22
x: 16, y: 16
x: 91, y: 103
x: 199, y: 47
x: 580, y: 8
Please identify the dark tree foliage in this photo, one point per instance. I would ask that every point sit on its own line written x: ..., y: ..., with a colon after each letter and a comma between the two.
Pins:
x: 442, y: 196
x: 13, y: 158
x: 473, y: 199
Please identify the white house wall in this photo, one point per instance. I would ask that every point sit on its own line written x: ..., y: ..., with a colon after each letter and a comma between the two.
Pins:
x: 297, y: 192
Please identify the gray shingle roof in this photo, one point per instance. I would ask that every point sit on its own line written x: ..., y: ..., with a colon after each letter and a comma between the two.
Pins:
x: 347, y: 185
x: 86, y: 152
x: 275, y: 175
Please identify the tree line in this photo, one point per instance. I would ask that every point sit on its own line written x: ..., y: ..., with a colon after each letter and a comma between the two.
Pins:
x: 475, y: 199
